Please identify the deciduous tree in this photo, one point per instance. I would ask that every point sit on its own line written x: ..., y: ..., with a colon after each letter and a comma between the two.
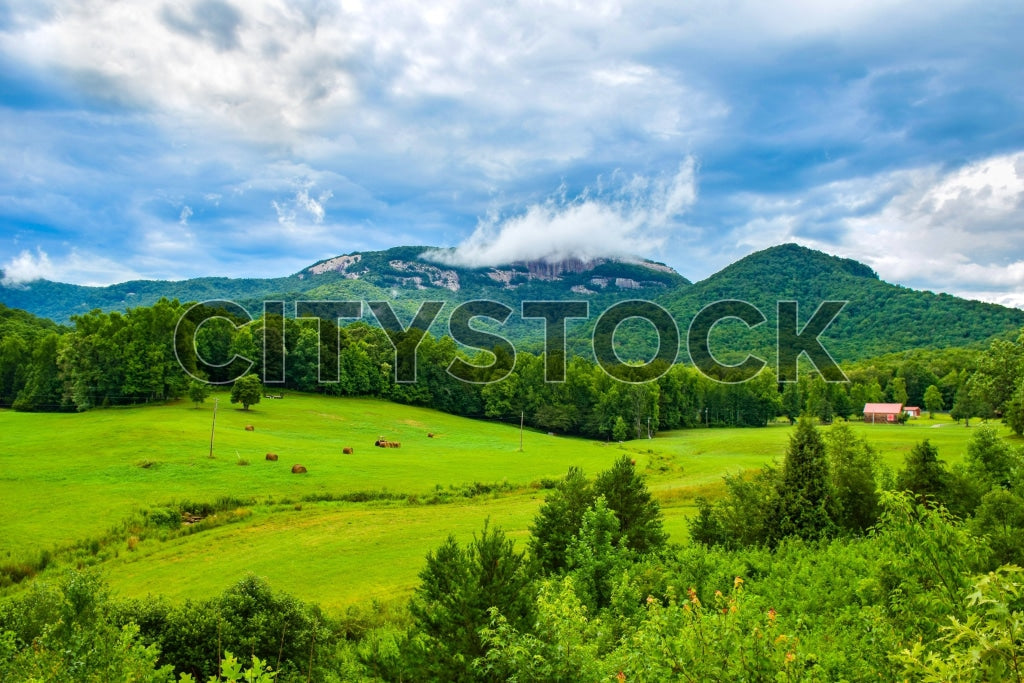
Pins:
x: 247, y: 391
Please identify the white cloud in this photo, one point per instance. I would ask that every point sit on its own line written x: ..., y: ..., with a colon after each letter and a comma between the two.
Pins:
x: 26, y: 267
x: 186, y: 213
x: 314, y: 207
x: 956, y: 231
x: 75, y: 267
x: 632, y: 220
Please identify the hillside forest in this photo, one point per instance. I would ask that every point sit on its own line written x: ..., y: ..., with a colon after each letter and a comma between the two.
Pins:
x: 110, y: 359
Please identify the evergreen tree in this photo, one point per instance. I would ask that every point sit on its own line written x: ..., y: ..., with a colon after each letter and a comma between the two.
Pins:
x: 923, y: 473
x: 639, y: 515
x: 806, y: 502
x: 898, y: 390
x: 964, y: 405
x: 459, y: 588
x: 559, y: 520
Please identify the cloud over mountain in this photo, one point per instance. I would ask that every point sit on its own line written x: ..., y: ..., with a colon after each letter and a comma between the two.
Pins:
x: 634, y: 216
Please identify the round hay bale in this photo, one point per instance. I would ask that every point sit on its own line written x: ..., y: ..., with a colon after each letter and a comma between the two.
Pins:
x: 298, y: 469
x: 272, y: 457
x: 250, y: 428
x: 347, y: 450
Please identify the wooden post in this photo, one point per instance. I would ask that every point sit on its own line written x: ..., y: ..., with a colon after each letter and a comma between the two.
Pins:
x: 522, y: 418
x: 213, y: 425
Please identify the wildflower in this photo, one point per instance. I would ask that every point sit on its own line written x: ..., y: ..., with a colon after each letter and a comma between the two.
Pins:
x: 790, y: 657
x: 772, y: 614
x: 693, y: 596
x: 651, y: 600
x: 781, y: 639
x: 737, y: 582
x: 620, y: 677
x: 718, y: 594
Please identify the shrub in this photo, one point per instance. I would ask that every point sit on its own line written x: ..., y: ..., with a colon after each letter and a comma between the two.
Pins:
x: 165, y: 517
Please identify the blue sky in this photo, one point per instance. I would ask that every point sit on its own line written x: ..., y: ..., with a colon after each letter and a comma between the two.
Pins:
x: 215, y: 137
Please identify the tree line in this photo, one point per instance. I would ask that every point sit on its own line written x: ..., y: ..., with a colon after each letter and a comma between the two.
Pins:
x: 127, y: 358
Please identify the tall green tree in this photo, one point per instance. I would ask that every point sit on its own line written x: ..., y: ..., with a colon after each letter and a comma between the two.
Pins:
x: 792, y: 402
x: 198, y: 391
x: 933, y: 400
x: 459, y: 587
x: 1013, y: 413
x: 638, y: 513
x: 559, y: 520
x: 924, y: 474
x: 594, y: 558
x: 898, y: 390
x: 853, y: 467
x: 990, y: 459
x: 806, y: 502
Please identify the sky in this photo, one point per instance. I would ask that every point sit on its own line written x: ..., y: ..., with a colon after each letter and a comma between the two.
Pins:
x: 192, y: 138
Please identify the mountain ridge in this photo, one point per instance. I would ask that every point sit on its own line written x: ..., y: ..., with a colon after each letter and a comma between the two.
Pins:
x: 880, y: 317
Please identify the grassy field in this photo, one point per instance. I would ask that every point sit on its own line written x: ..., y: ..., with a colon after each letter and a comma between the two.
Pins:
x: 68, y: 477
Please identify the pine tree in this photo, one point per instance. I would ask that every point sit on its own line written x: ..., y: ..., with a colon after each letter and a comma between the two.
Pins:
x: 639, y: 515
x: 923, y: 473
x: 460, y: 586
x: 806, y: 502
x: 559, y: 520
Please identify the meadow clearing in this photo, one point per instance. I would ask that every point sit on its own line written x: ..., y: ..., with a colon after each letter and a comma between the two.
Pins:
x: 79, y: 479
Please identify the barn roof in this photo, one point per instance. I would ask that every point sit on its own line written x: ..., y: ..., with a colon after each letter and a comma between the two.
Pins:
x: 882, y: 407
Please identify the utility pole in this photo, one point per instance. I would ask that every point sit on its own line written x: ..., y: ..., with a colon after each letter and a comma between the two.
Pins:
x: 213, y: 425
x: 522, y: 418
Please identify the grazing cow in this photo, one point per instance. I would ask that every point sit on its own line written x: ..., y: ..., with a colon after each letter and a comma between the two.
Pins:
x: 384, y: 443
x: 250, y: 428
x: 272, y: 457
x: 347, y: 451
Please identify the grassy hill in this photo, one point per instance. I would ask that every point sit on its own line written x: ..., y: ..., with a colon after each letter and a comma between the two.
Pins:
x: 355, y: 527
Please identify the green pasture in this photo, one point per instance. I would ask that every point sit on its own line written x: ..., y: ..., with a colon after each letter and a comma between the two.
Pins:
x: 68, y: 477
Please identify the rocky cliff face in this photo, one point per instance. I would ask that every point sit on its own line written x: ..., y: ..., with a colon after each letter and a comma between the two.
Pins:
x: 405, y: 268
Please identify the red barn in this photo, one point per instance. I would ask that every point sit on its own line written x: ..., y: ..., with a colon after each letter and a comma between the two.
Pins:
x: 882, y: 412
x: 912, y: 411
